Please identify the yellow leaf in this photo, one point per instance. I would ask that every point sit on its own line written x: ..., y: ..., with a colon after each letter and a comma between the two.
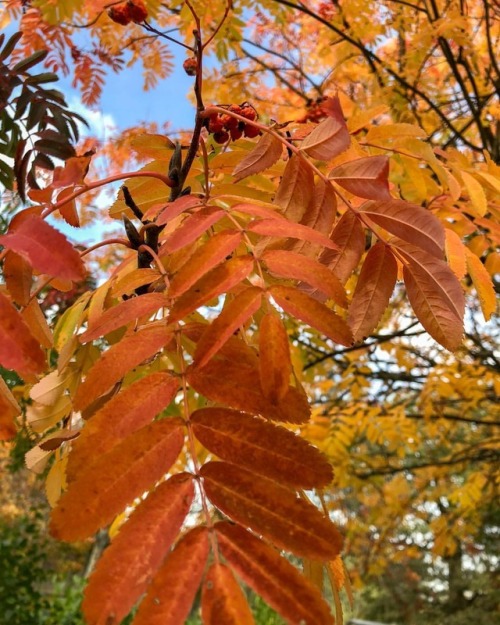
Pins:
x: 476, y: 194
x: 482, y: 283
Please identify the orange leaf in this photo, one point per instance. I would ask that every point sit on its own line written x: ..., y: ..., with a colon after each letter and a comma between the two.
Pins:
x: 134, y: 280
x: 272, y: 510
x: 206, y: 257
x: 482, y: 283
x: 409, y: 222
x: 34, y: 317
x: 121, y: 314
x: 349, y: 239
x: 17, y: 273
x: 296, y: 189
x: 192, y: 227
x: 74, y: 171
x: 365, y: 177
x: 222, y: 600
x: 68, y: 210
x: 232, y: 317
x: 47, y: 250
x: 314, y: 313
x: 320, y: 213
x: 219, y: 280
x: 267, y: 151
x: 115, y: 479
x: 272, y: 576
x: 330, y: 138
x: 455, y: 253
x: 275, y: 366
x: 298, y: 267
x: 135, y: 554
x: 263, y: 447
x: 19, y: 350
x: 173, y: 589
x: 166, y: 212
x: 119, y: 359
x: 258, y: 211
x: 9, y: 409
x: 129, y: 410
x: 373, y: 290
x: 285, y: 229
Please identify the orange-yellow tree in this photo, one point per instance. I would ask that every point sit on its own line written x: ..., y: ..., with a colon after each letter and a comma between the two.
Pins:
x: 246, y: 247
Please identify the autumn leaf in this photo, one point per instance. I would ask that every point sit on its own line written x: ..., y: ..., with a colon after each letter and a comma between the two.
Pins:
x: 296, y: 189
x: 222, y: 600
x: 192, y: 227
x: 264, y: 155
x: 17, y: 273
x: 483, y: 284
x: 330, y: 138
x: 455, y: 253
x: 349, y: 239
x: 9, y: 409
x: 365, y: 177
x: 286, y: 229
x: 275, y: 365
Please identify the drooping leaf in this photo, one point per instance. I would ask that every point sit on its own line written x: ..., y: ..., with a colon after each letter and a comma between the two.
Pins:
x: 115, y: 479
x: 314, y: 313
x: 120, y: 358
x: 68, y: 210
x: 330, y: 138
x: 133, y: 280
x: 272, y: 576
x: 320, y: 214
x: 285, y: 229
x: 482, y: 283
x: 222, y: 600
x: 275, y: 365
x: 9, y: 409
x: 192, y: 227
x: 272, y: 510
x: 37, y: 323
x: 349, y: 239
x: 19, y: 350
x: 476, y: 193
x: 263, y: 210
x: 123, y: 313
x: 260, y: 446
x: 365, y: 177
x: 166, y: 212
x: 373, y: 290
x: 48, y: 390
x: 135, y: 554
x: 173, y: 589
x: 47, y: 250
x: 455, y: 253
x: 17, y: 273
x: 267, y: 151
x: 296, y: 189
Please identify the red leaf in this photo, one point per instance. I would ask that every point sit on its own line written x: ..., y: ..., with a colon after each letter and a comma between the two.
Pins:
x: 166, y: 212
x: 173, y: 589
x: 373, y: 290
x: 135, y: 554
x: 192, y: 227
x: 272, y: 577
x: 9, y: 409
x: 284, y: 228
x: 47, y: 249
x: 115, y: 479
x: 222, y: 600
x: 19, y: 350
x: 267, y: 151
x: 296, y: 189
x: 330, y: 138
x: 314, y: 313
x: 256, y: 210
x: 320, y: 213
x: 68, y: 210
x: 17, y: 273
x: 275, y: 365
x: 263, y: 447
x: 349, y: 238
x: 365, y: 177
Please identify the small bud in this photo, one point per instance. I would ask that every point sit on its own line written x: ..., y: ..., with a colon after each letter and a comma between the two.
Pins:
x: 190, y: 66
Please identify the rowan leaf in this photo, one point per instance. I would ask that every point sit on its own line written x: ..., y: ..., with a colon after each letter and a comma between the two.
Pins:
x: 119, y: 359
x: 365, y: 177
x: 47, y: 249
x: 115, y: 479
x: 173, y: 589
x: 409, y: 222
x: 122, y: 314
x: 68, y: 210
x: 330, y: 138
x: 19, y: 350
x: 217, y: 248
x: 163, y: 213
x: 373, y: 290
x: 37, y: 323
x: 272, y: 576
x: 275, y: 365
x: 482, y: 283
x: 272, y: 510
x: 233, y: 316
x: 284, y: 228
x: 476, y: 193
x: 192, y: 227
x: 264, y: 210
x: 17, y: 273
x: 349, y: 239
x: 298, y: 267
x: 265, y: 154
x: 455, y: 253
x: 296, y: 189
x: 9, y: 409
x: 260, y: 446
x: 320, y: 214
x: 127, y: 411
x: 314, y: 313
x: 127, y: 284
x: 123, y: 573
x: 222, y: 600
x: 219, y: 280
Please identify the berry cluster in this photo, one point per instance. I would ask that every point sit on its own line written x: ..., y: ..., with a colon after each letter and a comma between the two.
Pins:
x: 130, y: 11
x: 224, y: 126
x: 315, y: 112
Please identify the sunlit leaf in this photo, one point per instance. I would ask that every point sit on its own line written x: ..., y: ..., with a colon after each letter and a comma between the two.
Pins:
x: 296, y: 189
x: 365, y: 177
x: 330, y: 138
x: 349, y: 239
x: 482, y: 283
x: 285, y: 229
x: 267, y: 151
x: 275, y: 365
x: 222, y: 600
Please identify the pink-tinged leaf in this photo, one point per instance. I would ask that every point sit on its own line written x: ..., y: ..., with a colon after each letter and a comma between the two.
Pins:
x: 256, y: 210
x: 373, y: 290
x: 314, y: 313
x: 127, y: 411
x: 47, y: 250
x: 122, y: 574
x: 118, y: 360
x: 19, y: 350
x: 284, y: 229
x: 272, y: 510
x: 320, y: 214
x: 482, y: 283
x: 296, y: 189
x: 68, y: 210
x: 435, y: 295
x: 9, y: 409
x: 298, y: 267
x: 222, y: 600
x: 455, y: 253
x: 233, y: 316
x: 349, y: 238
x: 171, y: 594
x: 219, y: 280
x: 267, y: 151
x: 166, y: 212
x: 365, y: 177
x: 193, y: 227
x: 272, y: 577
x: 330, y: 138
x: 409, y: 222
x: 17, y: 273
x: 263, y: 447
x: 275, y: 365
x: 212, y: 253
x: 123, y: 313
x: 115, y: 479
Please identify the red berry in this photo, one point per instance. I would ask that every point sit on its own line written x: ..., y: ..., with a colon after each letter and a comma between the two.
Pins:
x: 248, y: 112
x: 229, y: 122
x: 190, y: 66
x: 120, y: 14
x: 236, y: 133
x: 251, y: 131
x: 221, y: 137
x: 215, y: 124
x: 137, y: 11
